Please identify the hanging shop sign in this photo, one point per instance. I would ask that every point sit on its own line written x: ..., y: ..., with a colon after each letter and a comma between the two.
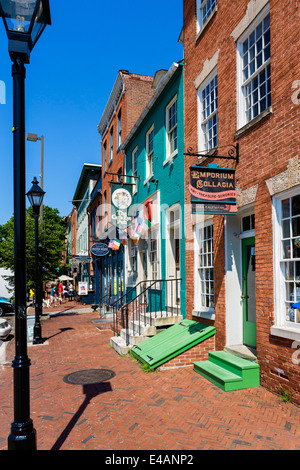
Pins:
x: 99, y: 249
x: 121, y: 201
x: 212, y: 189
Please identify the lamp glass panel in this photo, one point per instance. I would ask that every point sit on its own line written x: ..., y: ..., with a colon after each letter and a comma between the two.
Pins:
x: 35, y: 199
x: 18, y: 13
x: 39, y: 23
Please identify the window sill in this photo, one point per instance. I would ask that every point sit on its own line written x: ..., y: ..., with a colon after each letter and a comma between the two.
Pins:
x: 209, y: 315
x: 287, y: 332
x: 147, y: 180
x: 254, y: 121
x: 202, y: 29
x: 170, y: 158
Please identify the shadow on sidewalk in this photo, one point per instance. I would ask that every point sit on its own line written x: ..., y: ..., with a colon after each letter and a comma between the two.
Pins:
x: 62, y: 330
x: 90, y: 391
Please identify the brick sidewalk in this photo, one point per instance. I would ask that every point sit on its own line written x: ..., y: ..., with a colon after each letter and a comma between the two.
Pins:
x: 171, y: 410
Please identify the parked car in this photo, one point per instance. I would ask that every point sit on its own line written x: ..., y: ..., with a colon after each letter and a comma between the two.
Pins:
x: 6, y: 306
x: 5, y: 328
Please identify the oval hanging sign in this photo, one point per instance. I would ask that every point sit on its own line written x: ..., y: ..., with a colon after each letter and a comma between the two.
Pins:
x: 100, y: 249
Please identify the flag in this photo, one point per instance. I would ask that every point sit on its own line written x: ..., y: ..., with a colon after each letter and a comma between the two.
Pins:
x: 142, y: 228
x: 146, y: 225
x: 114, y: 244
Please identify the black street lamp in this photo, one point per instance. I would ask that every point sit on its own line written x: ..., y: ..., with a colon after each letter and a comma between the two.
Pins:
x: 24, y: 21
x: 35, y: 196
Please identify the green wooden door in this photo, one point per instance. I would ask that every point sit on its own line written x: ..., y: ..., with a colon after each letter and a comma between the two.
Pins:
x: 248, y: 292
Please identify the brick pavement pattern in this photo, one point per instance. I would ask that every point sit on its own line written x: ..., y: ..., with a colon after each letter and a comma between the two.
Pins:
x: 173, y: 409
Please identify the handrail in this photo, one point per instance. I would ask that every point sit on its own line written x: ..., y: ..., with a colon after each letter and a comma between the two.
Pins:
x: 138, y: 306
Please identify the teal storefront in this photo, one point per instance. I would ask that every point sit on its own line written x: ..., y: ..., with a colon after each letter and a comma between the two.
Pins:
x: 155, y: 157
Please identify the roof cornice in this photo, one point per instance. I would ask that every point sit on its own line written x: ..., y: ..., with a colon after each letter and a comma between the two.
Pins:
x: 111, y: 105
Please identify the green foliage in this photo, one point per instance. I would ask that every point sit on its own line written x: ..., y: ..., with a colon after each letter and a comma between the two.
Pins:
x: 285, y: 396
x: 52, y: 232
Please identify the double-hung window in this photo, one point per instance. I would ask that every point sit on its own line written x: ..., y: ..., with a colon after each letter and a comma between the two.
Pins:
x: 208, y: 115
x: 111, y: 149
x: 119, y: 129
x: 153, y: 253
x: 104, y: 156
x: 134, y: 170
x: 171, y: 127
x: 205, y: 9
x: 287, y: 259
x: 204, y: 300
x: 149, y: 152
x: 254, y: 71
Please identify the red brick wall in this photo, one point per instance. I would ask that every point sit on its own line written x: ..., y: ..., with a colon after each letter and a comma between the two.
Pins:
x: 194, y: 354
x: 138, y: 92
x: 265, y: 150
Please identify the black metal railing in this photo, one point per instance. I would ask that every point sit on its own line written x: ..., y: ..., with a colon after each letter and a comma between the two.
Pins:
x: 153, y: 298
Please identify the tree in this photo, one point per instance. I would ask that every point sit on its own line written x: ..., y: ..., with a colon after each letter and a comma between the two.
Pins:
x: 52, y: 233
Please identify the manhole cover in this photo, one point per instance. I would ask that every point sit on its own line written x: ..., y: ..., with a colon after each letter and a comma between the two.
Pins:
x: 88, y: 377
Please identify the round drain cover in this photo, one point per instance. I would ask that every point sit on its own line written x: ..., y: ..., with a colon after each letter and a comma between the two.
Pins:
x: 89, y: 376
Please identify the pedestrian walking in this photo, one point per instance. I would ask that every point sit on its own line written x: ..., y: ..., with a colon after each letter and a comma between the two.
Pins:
x: 52, y: 295
x: 60, y: 292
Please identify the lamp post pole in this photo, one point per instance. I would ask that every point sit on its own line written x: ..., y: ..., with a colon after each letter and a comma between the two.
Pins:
x: 24, y: 22
x: 23, y: 434
x: 37, y: 330
x: 35, y: 196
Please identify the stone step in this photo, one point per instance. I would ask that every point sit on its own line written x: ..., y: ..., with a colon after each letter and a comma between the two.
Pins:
x: 119, y: 345
x: 161, y: 318
x: 144, y: 330
x: 133, y: 338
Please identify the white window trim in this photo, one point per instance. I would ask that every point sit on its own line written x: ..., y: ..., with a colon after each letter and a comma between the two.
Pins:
x: 281, y: 328
x: 134, y: 170
x: 148, y: 174
x: 169, y: 155
x: 154, y: 228
x: 111, y: 145
x: 201, y: 135
x: 200, y: 311
x: 200, y: 26
x: 119, y: 128
x: 241, y: 102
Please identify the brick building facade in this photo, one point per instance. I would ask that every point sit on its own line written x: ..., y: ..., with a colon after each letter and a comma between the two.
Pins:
x: 242, y: 74
x: 129, y: 97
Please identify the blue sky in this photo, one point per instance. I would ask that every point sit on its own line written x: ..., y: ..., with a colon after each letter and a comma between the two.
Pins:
x: 68, y: 82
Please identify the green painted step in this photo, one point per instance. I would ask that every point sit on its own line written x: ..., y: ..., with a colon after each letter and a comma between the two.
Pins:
x: 228, y: 372
x: 171, y: 342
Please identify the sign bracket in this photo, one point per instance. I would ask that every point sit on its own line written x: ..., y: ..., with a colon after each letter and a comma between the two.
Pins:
x: 233, y: 153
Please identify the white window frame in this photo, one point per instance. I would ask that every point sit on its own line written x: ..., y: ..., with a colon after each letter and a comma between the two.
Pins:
x: 201, y: 21
x: 154, y: 236
x: 170, y: 131
x: 149, y: 155
x: 120, y: 128
x: 241, y: 83
x: 282, y: 327
x: 134, y: 170
x: 199, y: 308
x: 104, y: 155
x: 202, y: 123
x: 111, y: 145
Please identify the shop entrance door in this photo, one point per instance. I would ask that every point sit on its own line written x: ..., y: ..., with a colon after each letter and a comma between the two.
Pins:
x: 249, y: 292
